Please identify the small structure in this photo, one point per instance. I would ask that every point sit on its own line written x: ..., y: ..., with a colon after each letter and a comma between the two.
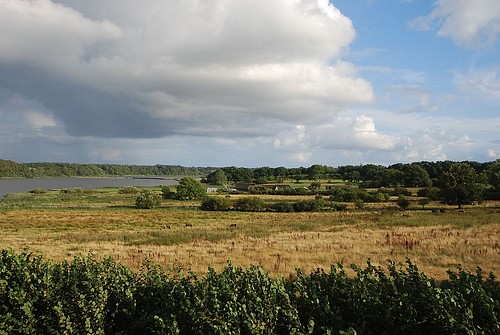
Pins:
x: 274, y: 187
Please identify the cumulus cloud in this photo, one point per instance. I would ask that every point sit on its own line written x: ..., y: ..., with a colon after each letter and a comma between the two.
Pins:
x: 336, y: 132
x: 348, y: 132
x: 183, y: 67
x: 470, y: 24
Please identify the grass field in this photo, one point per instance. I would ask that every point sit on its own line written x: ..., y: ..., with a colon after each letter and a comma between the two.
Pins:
x: 178, y: 235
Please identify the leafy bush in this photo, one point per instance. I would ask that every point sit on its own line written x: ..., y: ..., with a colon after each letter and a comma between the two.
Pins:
x: 249, y: 204
x: 282, y: 206
x: 168, y: 193
x: 339, y: 206
x: 312, y: 205
x: 216, y: 204
x: 84, y: 296
x: 190, y: 189
x: 403, y: 202
x: 147, y: 200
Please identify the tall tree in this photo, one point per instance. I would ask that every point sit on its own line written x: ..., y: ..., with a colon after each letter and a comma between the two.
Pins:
x: 218, y: 177
x: 493, y: 175
x: 316, y: 172
x: 416, y: 176
x: 190, y: 189
x: 461, y: 185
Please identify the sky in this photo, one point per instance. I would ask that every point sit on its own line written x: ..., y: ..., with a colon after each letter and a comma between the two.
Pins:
x: 249, y: 83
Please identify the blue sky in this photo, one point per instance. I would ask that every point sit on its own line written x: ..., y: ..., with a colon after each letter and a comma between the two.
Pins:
x: 249, y: 83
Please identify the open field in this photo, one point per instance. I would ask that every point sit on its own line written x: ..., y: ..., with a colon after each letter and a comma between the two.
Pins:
x: 62, y: 225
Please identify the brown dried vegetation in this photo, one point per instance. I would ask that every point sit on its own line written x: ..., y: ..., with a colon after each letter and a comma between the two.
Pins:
x: 280, y: 242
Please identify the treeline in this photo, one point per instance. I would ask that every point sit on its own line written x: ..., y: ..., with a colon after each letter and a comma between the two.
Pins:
x: 32, y: 170
x: 84, y: 296
x: 418, y: 174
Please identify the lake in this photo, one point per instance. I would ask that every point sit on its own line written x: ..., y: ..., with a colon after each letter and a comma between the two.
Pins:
x: 15, y: 185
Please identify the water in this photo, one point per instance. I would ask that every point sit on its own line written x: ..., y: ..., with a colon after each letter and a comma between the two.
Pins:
x: 28, y: 184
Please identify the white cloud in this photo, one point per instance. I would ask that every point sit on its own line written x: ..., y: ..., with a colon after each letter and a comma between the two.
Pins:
x: 215, y: 68
x: 46, y: 33
x: 483, y: 84
x: 342, y: 132
x: 348, y: 132
x: 470, y: 24
x: 38, y: 120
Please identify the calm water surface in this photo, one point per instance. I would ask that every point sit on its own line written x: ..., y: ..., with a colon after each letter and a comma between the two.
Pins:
x: 28, y: 184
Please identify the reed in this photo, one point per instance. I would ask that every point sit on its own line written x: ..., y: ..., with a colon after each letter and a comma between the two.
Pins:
x: 60, y: 226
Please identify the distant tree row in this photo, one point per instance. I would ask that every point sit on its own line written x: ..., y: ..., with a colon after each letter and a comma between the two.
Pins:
x: 483, y: 178
x: 419, y: 174
x: 31, y: 170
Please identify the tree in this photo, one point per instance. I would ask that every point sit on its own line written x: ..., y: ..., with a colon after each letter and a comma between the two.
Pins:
x: 416, y: 176
x: 147, y: 200
x: 493, y: 175
x: 393, y: 177
x: 190, y: 189
x: 460, y: 185
x: 433, y: 193
x: 316, y: 172
x: 218, y: 177
x: 403, y: 202
x: 168, y: 193
x: 424, y: 201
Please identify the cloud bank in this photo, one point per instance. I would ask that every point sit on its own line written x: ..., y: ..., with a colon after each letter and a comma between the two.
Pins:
x: 212, y: 68
x: 226, y: 82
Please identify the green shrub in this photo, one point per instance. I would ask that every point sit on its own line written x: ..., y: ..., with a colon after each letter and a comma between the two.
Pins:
x: 190, y: 189
x: 84, y: 296
x: 403, y: 202
x: 312, y: 205
x: 216, y: 204
x: 282, y: 206
x: 147, y: 200
x: 168, y: 193
x: 339, y: 206
x: 249, y: 204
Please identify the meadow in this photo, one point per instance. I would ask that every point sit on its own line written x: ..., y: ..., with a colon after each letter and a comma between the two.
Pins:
x: 178, y: 235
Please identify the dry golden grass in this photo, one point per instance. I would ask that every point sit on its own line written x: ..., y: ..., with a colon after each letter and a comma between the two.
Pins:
x: 280, y: 242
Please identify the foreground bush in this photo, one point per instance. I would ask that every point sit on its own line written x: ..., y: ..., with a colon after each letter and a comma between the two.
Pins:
x: 84, y: 296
